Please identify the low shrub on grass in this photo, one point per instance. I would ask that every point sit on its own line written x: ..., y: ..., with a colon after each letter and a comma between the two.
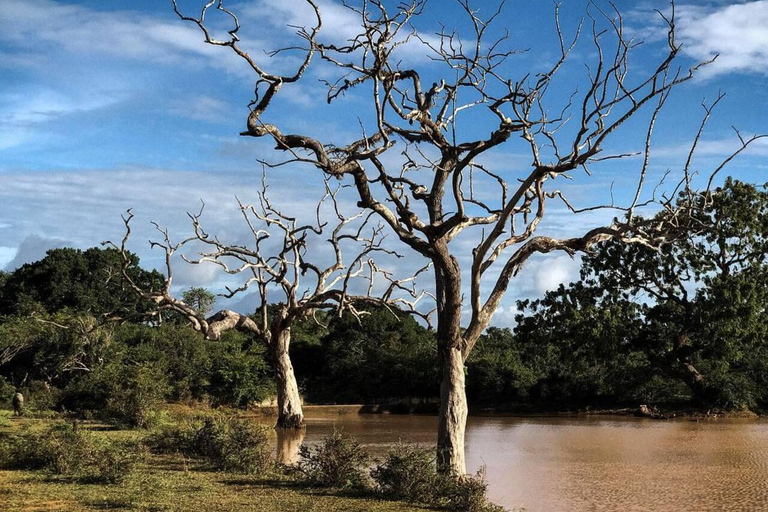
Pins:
x: 409, y: 473
x: 228, y: 444
x: 338, y: 461
x: 68, y: 451
x: 466, y: 494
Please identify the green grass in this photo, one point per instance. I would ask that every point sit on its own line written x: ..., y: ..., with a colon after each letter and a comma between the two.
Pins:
x: 170, y: 483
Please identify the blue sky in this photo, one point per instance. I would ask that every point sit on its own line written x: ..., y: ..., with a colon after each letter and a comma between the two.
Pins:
x: 109, y: 105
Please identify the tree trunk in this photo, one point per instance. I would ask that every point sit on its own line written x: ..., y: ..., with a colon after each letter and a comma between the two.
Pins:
x: 290, y: 414
x: 452, y: 420
x: 453, y: 413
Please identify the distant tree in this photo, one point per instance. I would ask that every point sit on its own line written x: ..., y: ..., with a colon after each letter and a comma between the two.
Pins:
x: 87, y: 282
x: 200, y: 299
x: 52, y: 348
x: 580, y: 343
x: 374, y: 358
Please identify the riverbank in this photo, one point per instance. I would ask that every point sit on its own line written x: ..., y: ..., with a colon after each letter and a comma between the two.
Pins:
x: 653, y: 412
x: 171, y: 483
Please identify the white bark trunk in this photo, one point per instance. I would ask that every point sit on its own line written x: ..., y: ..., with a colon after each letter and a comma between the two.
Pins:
x: 453, y: 414
x: 290, y: 414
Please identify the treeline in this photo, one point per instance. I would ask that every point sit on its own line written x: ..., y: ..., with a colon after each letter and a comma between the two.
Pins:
x: 686, y: 325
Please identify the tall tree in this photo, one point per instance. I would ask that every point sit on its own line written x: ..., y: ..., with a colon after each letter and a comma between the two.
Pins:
x: 691, y: 287
x: 281, y: 269
x: 427, y: 177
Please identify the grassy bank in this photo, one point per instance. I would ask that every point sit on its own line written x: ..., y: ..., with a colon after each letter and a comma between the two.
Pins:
x: 168, y: 482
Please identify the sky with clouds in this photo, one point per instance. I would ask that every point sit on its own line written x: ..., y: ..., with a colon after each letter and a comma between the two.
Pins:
x: 112, y: 105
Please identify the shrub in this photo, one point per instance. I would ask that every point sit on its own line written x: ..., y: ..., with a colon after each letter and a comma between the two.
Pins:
x: 339, y: 462
x: 407, y: 473
x: 68, y: 451
x: 135, y: 397
x: 228, y: 444
x: 465, y: 494
x: 6, y: 393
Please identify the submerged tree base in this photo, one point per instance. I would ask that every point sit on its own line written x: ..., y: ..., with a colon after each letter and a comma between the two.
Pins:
x: 294, y: 421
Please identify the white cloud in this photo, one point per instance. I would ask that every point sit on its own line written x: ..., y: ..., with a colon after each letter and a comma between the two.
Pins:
x: 6, y: 255
x: 737, y: 33
x: 24, y: 112
x: 201, y: 108
x: 555, y: 270
x: 32, y: 248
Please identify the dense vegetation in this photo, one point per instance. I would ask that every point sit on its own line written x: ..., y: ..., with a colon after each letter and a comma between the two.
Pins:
x: 686, y: 326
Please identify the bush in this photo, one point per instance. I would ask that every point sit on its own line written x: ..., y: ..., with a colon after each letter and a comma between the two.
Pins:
x: 228, y: 444
x: 136, y: 395
x: 6, y: 393
x: 68, y: 451
x: 407, y: 473
x: 338, y: 462
x: 466, y: 494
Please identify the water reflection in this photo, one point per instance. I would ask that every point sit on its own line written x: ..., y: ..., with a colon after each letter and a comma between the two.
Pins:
x: 288, y: 443
x: 592, y: 463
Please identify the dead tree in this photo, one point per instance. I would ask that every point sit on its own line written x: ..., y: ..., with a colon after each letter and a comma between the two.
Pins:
x: 303, y: 284
x: 440, y: 187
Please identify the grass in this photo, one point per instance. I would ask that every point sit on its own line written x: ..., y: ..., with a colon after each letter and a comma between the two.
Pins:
x: 170, y: 483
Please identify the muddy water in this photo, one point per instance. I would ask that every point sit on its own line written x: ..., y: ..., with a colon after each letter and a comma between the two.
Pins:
x: 589, y: 464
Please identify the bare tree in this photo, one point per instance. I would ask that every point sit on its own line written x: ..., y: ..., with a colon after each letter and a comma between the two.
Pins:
x: 283, y: 269
x: 439, y: 187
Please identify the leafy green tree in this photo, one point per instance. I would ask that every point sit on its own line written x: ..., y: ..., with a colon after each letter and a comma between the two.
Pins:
x: 580, y: 343
x: 200, y: 299
x: 382, y: 356
x: 698, y: 287
x: 87, y: 281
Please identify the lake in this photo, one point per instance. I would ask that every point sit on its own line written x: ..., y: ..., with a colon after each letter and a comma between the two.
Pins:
x: 588, y: 463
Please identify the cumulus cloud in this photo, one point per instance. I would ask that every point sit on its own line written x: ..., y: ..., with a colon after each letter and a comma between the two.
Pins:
x: 33, y: 248
x: 555, y: 270
x: 737, y: 33
x: 202, y: 275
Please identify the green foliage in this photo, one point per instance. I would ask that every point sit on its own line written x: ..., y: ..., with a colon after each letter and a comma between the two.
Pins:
x: 200, y: 299
x: 147, y: 365
x: 686, y: 322
x: 7, y: 391
x: 407, y: 473
x: 465, y: 494
x: 134, y: 394
x: 68, y: 451
x: 496, y: 370
x: 85, y: 281
x: 227, y: 444
x: 579, y: 342
x: 379, y: 358
x: 52, y: 348
x: 240, y: 377
x: 338, y: 461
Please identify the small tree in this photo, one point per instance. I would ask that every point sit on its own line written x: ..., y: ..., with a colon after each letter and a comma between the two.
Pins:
x: 282, y: 270
x: 200, y: 299
x: 426, y: 176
